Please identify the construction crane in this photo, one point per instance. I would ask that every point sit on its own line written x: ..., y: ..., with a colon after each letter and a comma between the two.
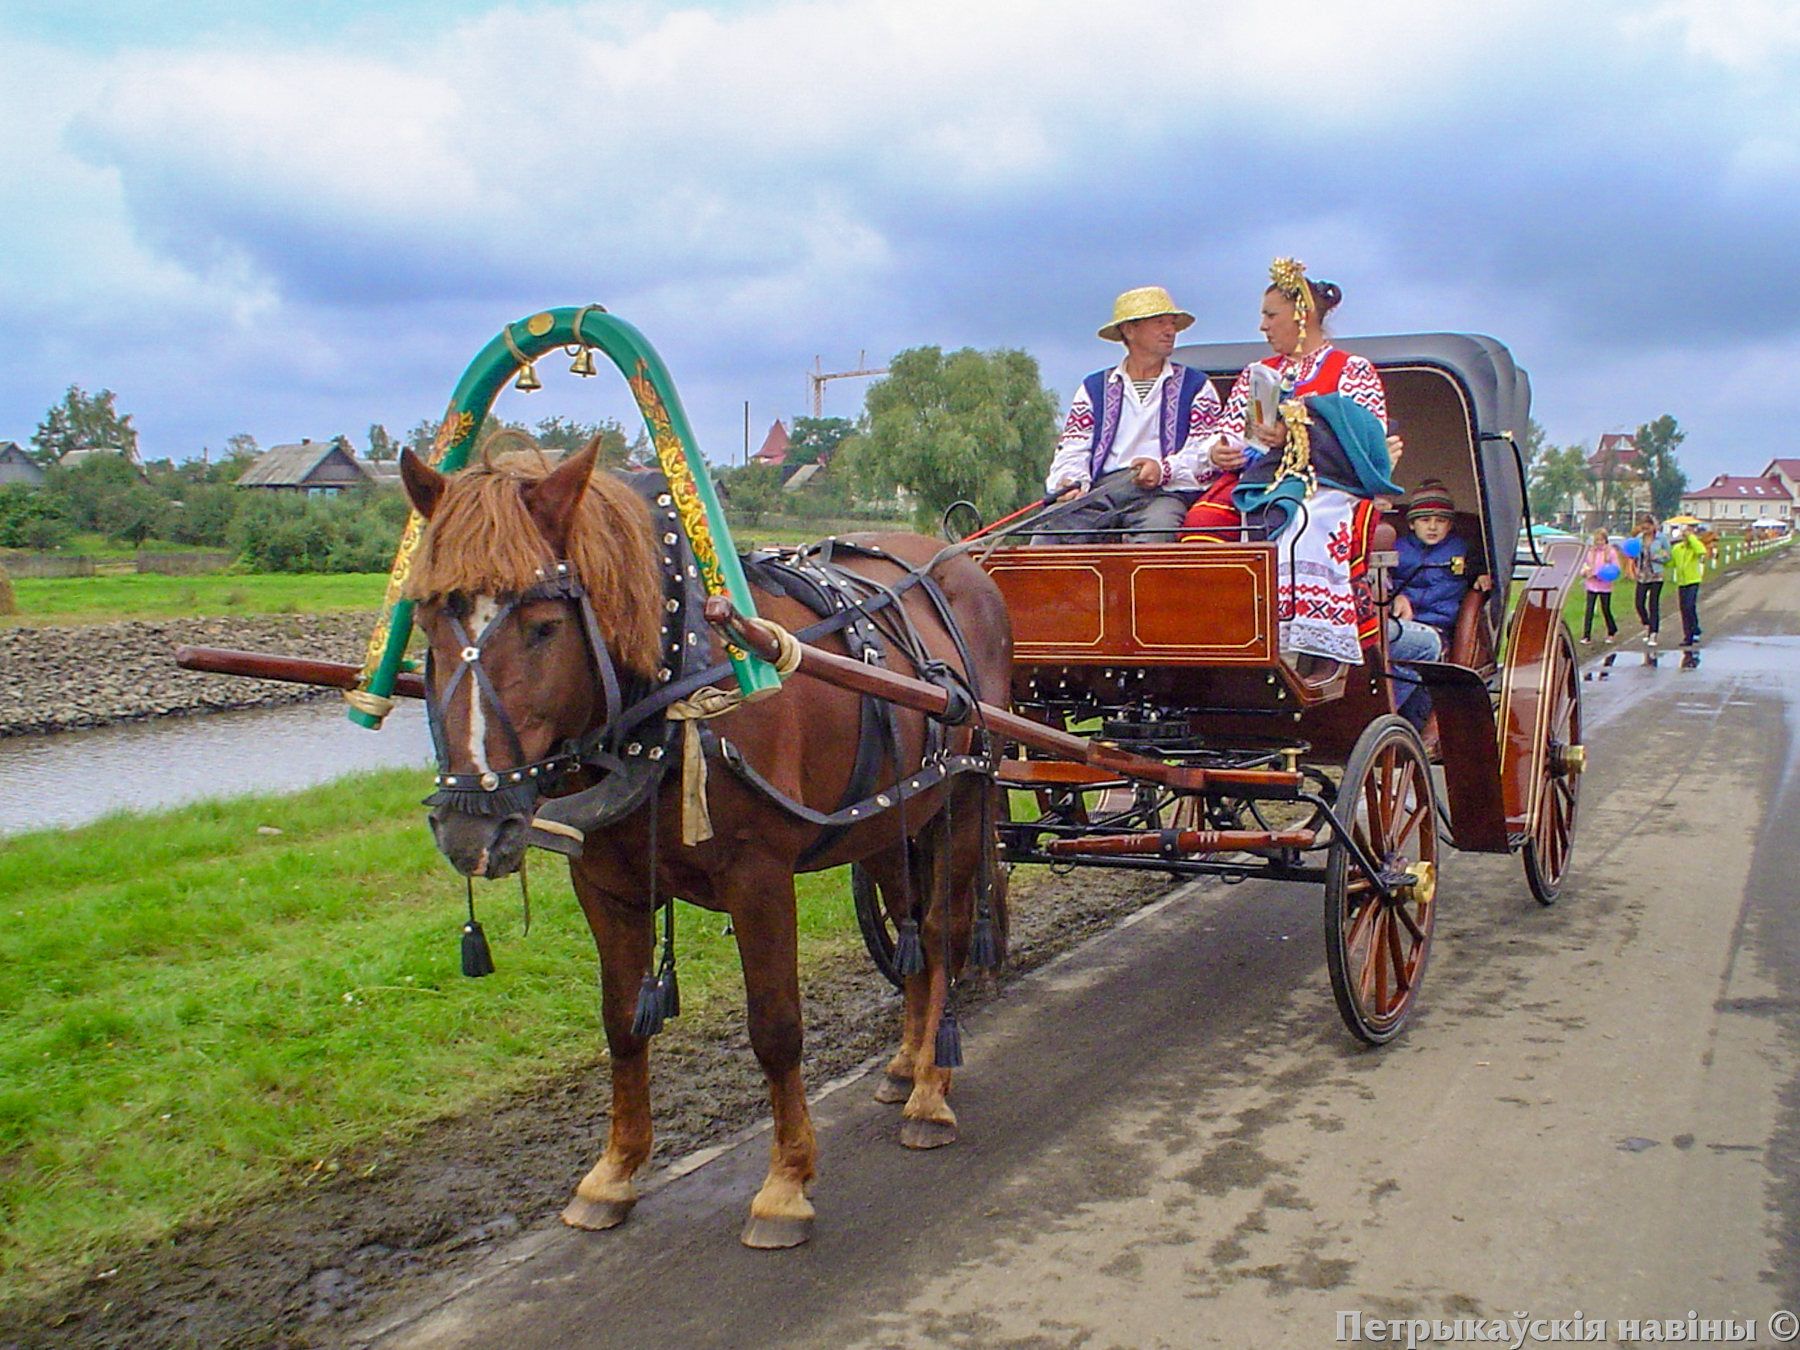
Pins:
x: 816, y: 378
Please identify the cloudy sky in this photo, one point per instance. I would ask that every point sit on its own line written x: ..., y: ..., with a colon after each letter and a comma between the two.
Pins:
x: 297, y: 220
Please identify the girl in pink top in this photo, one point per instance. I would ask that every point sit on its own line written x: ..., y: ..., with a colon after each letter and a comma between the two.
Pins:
x: 1602, y: 566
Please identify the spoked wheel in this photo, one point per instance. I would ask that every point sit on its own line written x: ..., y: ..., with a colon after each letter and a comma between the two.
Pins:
x: 1376, y: 947
x: 877, y: 928
x: 1552, y: 836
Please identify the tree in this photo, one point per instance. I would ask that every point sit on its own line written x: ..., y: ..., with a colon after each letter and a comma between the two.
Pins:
x: 1656, y: 443
x: 32, y: 518
x: 1558, y: 473
x: 559, y: 433
x: 816, y: 439
x: 86, y: 488
x: 751, y: 491
x: 381, y: 445
x: 971, y: 425
x: 84, y: 421
x: 136, y: 514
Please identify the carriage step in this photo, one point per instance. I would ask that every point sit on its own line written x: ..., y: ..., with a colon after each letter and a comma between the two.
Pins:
x: 1177, y: 843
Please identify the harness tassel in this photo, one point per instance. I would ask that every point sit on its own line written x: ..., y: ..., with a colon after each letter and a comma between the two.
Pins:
x: 648, y: 1019
x: 983, y: 954
x: 909, y: 952
x: 948, y: 1048
x: 477, y: 960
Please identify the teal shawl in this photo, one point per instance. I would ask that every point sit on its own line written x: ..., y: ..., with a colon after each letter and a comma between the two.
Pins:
x: 1364, y: 442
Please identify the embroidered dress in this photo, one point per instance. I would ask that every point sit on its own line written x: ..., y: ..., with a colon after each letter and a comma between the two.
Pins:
x: 1318, y: 570
x: 1319, y: 606
x: 1326, y: 371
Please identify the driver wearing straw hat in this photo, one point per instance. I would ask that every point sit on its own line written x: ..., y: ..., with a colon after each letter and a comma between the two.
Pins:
x: 1131, y: 444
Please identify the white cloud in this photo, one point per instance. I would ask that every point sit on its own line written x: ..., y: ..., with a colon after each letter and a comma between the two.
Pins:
x: 1748, y: 36
x: 758, y: 184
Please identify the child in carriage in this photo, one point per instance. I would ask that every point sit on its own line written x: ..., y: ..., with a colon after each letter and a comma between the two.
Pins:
x: 1429, y: 585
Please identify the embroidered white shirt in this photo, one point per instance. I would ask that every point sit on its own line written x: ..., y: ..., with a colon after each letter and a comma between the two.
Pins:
x: 1140, y: 420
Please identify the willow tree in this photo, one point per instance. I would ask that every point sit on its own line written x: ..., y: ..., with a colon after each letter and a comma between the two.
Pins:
x: 967, y: 426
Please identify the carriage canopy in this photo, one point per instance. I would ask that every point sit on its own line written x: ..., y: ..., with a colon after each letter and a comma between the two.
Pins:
x: 1458, y: 400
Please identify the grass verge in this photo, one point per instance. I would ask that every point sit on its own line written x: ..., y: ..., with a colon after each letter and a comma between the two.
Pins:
x: 100, y: 599
x: 196, y: 1010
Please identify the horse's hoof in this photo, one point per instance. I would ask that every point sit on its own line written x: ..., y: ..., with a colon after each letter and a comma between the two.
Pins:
x: 597, y: 1215
x: 772, y: 1234
x: 926, y: 1133
x: 893, y: 1090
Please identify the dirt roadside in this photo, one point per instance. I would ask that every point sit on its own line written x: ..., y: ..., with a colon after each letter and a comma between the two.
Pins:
x: 299, y: 1268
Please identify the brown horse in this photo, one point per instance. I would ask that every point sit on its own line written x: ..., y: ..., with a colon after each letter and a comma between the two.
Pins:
x: 514, y: 675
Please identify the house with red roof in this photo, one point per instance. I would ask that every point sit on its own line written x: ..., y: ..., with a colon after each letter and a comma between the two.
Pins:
x: 1733, y: 501
x: 775, y: 445
x: 1788, y: 471
x: 1620, y: 490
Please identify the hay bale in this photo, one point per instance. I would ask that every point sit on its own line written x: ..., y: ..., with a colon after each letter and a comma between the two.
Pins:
x: 9, y: 603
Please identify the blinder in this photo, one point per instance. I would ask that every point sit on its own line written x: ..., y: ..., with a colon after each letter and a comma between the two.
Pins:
x: 513, y: 791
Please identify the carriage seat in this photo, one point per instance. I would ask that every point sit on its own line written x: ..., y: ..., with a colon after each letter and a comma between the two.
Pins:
x: 1472, y: 642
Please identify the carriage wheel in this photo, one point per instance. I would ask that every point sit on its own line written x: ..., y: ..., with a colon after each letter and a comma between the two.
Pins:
x: 877, y: 928
x: 1553, y: 829
x: 1376, y: 948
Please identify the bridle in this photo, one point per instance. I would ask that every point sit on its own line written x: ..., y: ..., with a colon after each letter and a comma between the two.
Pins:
x: 515, y: 790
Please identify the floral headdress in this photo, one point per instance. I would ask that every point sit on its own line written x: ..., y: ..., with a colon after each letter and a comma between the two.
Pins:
x: 1288, y: 275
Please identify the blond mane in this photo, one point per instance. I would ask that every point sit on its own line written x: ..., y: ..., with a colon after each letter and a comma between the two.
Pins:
x: 481, y: 540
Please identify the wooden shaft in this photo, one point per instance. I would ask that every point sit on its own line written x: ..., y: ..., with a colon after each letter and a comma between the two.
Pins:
x: 861, y: 678
x: 291, y: 669
x: 1183, y: 841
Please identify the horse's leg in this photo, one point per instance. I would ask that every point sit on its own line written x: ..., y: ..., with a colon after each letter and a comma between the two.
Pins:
x: 762, y: 917
x: 885, y: 869
x: 605, y: 1197
x: 928, y: 1121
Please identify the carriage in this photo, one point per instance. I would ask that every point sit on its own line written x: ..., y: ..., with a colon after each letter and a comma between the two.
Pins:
x: 1151, y: 722
x: 1231, y: 763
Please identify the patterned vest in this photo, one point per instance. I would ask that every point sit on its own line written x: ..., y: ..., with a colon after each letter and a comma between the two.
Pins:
x: 1178, y: 394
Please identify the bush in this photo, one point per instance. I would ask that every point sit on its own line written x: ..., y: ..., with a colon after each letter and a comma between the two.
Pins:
x: 31, y: 518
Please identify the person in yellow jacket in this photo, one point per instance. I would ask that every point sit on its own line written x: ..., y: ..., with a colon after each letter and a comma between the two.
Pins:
x: 1688, y: 553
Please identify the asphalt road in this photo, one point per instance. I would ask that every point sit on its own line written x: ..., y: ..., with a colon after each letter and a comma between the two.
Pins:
x: 1170, y: 1141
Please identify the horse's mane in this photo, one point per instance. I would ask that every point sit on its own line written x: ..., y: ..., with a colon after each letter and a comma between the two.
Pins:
x: 481, y: 540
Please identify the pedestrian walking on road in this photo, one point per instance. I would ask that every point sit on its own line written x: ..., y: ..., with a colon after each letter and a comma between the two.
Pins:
x: 1688, y: 552
x: 1602, y: 566
x: 1648, y: 559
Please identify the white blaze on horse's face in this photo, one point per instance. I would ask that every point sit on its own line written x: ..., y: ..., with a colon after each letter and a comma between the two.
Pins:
x: 481, y: 614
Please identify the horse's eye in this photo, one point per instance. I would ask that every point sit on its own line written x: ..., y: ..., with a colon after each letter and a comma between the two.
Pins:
x: 540, y: 632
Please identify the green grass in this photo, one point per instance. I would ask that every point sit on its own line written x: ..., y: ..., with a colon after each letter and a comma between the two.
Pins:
x: 194, y: 1011
x: 145, y: 596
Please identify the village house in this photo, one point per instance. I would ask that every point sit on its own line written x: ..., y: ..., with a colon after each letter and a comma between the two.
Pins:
x: 1732, y: 502
x: 17, y: 466
x: 1619, y: 491
x: 317, y: 468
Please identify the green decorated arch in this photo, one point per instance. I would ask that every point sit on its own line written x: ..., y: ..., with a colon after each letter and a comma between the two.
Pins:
x: 512, y: 352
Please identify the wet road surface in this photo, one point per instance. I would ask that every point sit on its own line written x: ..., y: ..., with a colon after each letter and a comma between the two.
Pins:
x: 1169, y: 1140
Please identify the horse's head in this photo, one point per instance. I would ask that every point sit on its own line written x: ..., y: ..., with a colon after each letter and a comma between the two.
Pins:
x: 528, y: 584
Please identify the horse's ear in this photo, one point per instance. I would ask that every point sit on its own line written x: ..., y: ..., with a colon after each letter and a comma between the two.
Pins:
x: 554, y: 499
x: 424, y: 484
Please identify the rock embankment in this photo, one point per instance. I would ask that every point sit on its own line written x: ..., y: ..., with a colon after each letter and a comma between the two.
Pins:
x: 65, y: 678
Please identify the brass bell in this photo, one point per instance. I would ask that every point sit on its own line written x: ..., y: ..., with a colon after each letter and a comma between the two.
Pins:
x: 528, y: 379
x: 583, y: 364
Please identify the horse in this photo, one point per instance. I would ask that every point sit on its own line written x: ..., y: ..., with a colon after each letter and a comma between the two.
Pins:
x: 544, y: 596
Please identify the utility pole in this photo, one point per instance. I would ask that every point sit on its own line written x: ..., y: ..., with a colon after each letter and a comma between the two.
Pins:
x: 817, y: 377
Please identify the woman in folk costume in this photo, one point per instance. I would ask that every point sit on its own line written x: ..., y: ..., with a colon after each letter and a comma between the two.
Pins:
x: 1303, y: 445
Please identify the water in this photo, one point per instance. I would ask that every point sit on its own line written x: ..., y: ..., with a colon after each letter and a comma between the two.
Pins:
x: 80, y: 776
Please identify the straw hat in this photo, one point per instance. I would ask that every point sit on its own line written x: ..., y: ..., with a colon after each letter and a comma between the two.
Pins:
x: 1146, y: 302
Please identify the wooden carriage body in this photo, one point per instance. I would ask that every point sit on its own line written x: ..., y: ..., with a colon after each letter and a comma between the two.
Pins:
x: 1184, y: 636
